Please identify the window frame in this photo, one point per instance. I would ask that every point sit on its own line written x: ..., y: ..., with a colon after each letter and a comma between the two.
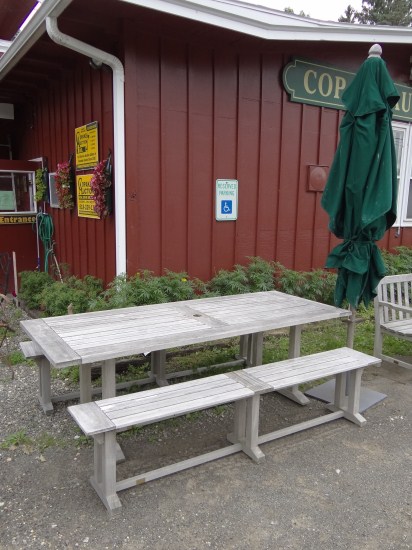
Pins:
x: 405, y: 175
x: 31, y: 190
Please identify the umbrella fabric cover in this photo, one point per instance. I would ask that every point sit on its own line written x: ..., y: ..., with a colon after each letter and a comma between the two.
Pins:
x: 361, y: 191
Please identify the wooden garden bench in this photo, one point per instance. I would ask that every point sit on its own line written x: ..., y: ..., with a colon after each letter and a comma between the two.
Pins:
x: 393, y: 313
x: 102, y: 419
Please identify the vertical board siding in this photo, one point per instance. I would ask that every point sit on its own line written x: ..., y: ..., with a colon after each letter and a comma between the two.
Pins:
x: 143, y: 199
x: 248, y: 137
x: 174, y: 158
x: 200, y: 163
x: 224, y: 151
x: 270, y: 131
x: 87, y: 246
x: 306, y: 200
x: 200, y: 106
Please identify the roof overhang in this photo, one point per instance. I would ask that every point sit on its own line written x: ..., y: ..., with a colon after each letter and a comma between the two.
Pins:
x: 235, y: 15
x: 30, y: 34
x: 271, y: 24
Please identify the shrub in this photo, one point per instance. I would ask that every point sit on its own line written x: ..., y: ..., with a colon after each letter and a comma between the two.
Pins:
x: 32, y: 284
x: 78, y: 293
x: 260, y: 274
x: 230, y: 282
x: 399, y: 262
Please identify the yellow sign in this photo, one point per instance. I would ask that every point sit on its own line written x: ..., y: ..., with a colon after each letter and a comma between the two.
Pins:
x: 85, y: 202
x: 17, y: 218
x: 87, y: 146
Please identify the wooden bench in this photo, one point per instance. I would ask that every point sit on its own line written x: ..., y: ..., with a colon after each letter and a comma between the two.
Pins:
x: 393, y: 313
x: 102, y: 419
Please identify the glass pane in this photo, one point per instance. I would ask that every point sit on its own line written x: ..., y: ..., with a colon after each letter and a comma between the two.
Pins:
x: 409, y: 209
x: 16, y: 192
x: 398, y: 136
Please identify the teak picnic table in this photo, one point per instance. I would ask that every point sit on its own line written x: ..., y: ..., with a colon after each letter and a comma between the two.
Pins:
x: 102, y: 337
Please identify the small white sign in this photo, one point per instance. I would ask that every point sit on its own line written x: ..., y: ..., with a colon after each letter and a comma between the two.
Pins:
x: 226, y: 200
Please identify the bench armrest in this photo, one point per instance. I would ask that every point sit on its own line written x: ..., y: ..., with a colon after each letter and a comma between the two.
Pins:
x: 397, y: 307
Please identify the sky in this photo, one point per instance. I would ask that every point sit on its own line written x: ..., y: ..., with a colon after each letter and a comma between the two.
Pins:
x: 328, y: 10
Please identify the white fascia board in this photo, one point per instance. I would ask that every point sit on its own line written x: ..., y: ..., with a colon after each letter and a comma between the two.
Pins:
x: 30, y: 34
x: 272, y: 24
x: 4, y: 45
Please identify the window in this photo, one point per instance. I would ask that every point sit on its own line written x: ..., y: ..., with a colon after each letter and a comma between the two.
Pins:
x: 16, y: 192
x: 54, y: 201
x: 402, y: 134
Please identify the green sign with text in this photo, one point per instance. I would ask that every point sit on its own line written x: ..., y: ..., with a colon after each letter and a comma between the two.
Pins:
x: 322, y: 85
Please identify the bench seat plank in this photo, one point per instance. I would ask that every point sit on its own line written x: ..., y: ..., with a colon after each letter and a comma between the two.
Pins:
x: 91, y: 419
x: 147, y: 407
x: 299, y: 370
x: 30, y: 350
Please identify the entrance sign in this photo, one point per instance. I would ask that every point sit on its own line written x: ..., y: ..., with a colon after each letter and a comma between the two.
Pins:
x: 17, y: 219
x: 226, y: 200
x: 322, y: 85
x: 85, y: 202
x: 87, y: 146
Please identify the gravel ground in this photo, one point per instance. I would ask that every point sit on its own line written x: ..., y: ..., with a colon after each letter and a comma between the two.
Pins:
x: 334, y: 487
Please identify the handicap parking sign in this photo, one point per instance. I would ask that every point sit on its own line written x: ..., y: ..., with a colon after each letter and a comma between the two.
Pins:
x: 226, y: 204
x: 226, y: 207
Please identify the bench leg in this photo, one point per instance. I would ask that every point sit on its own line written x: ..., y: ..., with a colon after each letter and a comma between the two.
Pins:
x: 352, y: 412
x: 294, y: 393
x: 104, y: 478
x: 45, y: 385
x: 246, y: 427
x: 251, y: 447
x: 158, y: 363
x: 347, y: 396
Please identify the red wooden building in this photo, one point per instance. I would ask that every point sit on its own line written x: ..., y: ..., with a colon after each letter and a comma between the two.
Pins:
x: 184, y: 93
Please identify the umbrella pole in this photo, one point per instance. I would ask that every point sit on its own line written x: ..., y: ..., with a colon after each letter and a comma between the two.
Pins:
x: 350, y: 336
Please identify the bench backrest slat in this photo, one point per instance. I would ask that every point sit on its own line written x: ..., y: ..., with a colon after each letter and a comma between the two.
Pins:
x: 397, y: 290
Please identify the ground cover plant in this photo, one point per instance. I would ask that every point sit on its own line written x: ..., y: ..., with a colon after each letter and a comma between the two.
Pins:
x: 75, y: 295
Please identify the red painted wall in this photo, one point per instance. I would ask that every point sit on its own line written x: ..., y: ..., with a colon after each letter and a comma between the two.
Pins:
x: 199, y: 110
x: 77, y: 98
x: 201, y: 103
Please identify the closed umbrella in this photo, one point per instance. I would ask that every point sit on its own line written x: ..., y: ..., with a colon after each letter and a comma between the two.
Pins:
x: 360, y: 195
x: 361, y: 191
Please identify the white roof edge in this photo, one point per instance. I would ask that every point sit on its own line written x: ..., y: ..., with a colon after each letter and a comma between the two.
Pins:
x: 30, y: 34
x: 271, y: 24
x: 249, y: 19
x: 4, y: 45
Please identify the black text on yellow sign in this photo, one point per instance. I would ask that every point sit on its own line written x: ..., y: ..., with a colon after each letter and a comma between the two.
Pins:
x: 87, y: 146
x: 85, y: 202
x: 17, y: 219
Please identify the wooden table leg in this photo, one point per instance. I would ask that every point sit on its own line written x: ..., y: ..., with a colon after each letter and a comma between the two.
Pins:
x: 85, y: 375
x: 44, y: 385
x: 255, y: 349
x: 158, y: 363
x: 109, y: 379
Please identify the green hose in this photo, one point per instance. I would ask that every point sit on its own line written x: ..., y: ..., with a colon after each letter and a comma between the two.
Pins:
x: 45, y: 229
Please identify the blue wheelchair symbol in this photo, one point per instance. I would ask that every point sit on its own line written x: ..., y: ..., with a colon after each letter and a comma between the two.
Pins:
x: 226, y: 207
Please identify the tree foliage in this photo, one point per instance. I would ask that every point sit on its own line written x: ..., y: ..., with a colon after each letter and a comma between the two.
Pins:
x: 397, y: 13
x: 301, y: 13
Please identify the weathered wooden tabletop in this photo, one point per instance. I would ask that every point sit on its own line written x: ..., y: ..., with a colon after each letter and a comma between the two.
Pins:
x: 98, y: 336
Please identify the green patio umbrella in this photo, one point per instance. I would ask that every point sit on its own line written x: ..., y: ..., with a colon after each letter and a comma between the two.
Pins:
x: 361, y: 191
